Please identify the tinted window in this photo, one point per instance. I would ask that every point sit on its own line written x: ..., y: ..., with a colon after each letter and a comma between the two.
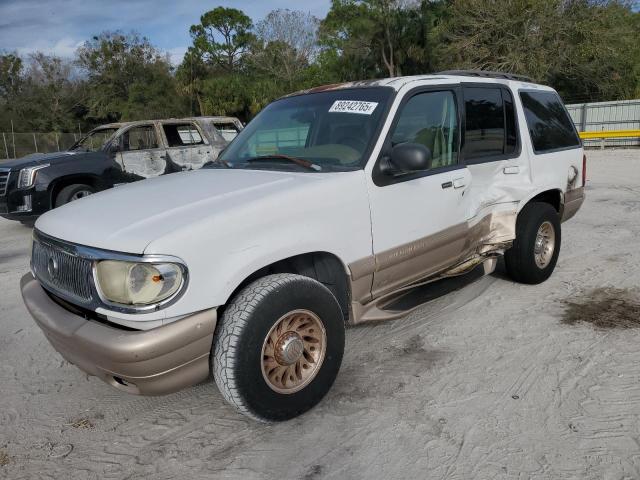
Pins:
x: 484, y: 114
x: 549, y: 124
x: 140, y: 138
x: 430, y: 119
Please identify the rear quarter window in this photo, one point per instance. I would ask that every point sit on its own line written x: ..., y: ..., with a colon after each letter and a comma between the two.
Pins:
x: 549, y: 124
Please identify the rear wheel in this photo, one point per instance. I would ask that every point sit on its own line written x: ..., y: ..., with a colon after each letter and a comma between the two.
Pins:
x: 74, y: 192
x: 278, y: 347
x: 534, y: 253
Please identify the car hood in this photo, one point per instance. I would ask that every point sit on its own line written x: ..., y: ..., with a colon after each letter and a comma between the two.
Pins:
x: 129, y: 217
x: 40, y: 158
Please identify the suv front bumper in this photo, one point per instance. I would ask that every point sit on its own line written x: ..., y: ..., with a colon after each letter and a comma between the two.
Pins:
x: 24, y: 205
x: 149, y: 362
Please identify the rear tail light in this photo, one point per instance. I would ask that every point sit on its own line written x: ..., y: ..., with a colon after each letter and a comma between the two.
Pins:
x: 584, y: 170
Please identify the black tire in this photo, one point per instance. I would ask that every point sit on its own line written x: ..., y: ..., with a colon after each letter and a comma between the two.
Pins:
x: 68, y: 193
x: 241, y: 333
x: 520, y: 258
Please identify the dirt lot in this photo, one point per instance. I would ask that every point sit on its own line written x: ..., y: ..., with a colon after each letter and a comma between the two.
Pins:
x: 497, y: 380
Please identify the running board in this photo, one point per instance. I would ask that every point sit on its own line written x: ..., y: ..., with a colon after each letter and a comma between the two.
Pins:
x: 405, y: 300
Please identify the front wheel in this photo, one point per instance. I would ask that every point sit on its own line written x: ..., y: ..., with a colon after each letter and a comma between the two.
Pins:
x: 278, y: 347
x: 534, y: 253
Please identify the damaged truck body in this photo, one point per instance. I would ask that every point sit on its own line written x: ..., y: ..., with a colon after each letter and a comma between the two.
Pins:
x: 110, y: 155
x: 332, y: 207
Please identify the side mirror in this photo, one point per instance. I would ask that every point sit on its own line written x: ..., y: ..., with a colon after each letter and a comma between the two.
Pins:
x: 410, y: 157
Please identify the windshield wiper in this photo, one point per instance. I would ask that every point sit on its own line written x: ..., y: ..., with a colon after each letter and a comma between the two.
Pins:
x: 298, y: 161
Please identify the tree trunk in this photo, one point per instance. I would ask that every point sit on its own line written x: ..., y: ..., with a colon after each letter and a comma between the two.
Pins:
x: 387, y: 63
x: 200, y: 105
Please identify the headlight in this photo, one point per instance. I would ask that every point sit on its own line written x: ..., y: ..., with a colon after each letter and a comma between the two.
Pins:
x: 137, y: 283
x: 27, y: 176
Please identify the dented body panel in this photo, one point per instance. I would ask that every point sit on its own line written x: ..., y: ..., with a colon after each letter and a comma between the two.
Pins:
x: 176, y: 145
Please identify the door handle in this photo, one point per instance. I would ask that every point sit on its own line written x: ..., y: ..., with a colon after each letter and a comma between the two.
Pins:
x: 511, y: 170
x: 459, y: 182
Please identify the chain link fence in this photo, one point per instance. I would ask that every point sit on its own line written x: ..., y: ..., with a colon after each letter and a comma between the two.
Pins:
x: 16, y: 145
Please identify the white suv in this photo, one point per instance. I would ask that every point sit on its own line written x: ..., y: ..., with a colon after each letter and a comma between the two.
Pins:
x: 330, y: 208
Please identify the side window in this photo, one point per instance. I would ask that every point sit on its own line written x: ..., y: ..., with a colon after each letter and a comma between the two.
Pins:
x: 549, y: 124
x: 139, y: 138
x: 484, y: 115
x: 182, y: 134
x: 229, y: 131
x: 430, y: 118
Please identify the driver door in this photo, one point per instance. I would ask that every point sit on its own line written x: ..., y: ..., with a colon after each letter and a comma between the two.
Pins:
x: 419, y: 218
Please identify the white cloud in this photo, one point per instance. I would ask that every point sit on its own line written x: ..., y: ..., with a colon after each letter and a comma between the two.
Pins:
x: 65, y: 47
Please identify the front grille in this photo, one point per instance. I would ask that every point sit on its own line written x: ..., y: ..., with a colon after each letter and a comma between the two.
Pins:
x: 62, y: 272
x: 4, y: 181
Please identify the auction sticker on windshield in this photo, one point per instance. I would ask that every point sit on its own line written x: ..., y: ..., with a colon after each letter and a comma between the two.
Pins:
x: 353, y: 106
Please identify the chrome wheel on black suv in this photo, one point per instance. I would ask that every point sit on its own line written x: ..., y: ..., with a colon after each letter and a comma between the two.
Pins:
x: 71, y: 193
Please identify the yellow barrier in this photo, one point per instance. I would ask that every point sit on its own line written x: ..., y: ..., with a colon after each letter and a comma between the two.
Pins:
x: 610, y: 134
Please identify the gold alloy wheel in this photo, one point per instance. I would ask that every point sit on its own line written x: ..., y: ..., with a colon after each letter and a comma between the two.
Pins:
x: 293, y: 351
x: 545, y: 244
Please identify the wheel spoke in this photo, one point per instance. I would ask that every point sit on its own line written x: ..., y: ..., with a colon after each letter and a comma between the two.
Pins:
x: 544, y: 245
x: 293, y: 351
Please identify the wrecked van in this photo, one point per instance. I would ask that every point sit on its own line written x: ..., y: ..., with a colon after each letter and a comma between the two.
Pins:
x: 331, y: 208
x: 110, y: 155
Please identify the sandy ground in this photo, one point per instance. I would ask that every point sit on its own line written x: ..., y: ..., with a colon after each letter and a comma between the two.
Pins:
x: 487, y: 382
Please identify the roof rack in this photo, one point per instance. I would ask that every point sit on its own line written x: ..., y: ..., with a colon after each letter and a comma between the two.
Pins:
x: 487, y: 74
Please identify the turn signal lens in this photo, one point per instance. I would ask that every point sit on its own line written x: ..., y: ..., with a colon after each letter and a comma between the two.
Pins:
x: 131, y: 283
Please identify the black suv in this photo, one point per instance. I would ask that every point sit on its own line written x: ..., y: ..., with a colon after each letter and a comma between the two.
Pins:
x: 110, y: 155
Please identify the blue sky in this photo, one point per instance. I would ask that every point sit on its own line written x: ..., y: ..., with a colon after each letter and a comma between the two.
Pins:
x: 60, y: 26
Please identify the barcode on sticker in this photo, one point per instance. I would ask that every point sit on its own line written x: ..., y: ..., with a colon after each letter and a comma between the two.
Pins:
x: 353, y: 106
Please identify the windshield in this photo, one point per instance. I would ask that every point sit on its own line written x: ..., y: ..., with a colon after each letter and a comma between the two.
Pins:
x: 94, y: 141
x: 328, y: 131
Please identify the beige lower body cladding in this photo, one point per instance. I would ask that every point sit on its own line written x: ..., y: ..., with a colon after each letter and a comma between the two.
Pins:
x: 150, y: 362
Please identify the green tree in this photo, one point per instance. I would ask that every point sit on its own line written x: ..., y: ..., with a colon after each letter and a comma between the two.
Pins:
x: 229, y: 25
x: 11, y: 81
x: 190, y: 76
x: 11, y: 70
x: 39, y: 94
x: 51, y: 93
x: 379, y: 37
x: 285, y: 45
x: 127, y: 79
x: 586, y: 49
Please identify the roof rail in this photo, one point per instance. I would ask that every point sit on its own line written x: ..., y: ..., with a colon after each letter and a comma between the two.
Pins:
x: 487, y: 74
